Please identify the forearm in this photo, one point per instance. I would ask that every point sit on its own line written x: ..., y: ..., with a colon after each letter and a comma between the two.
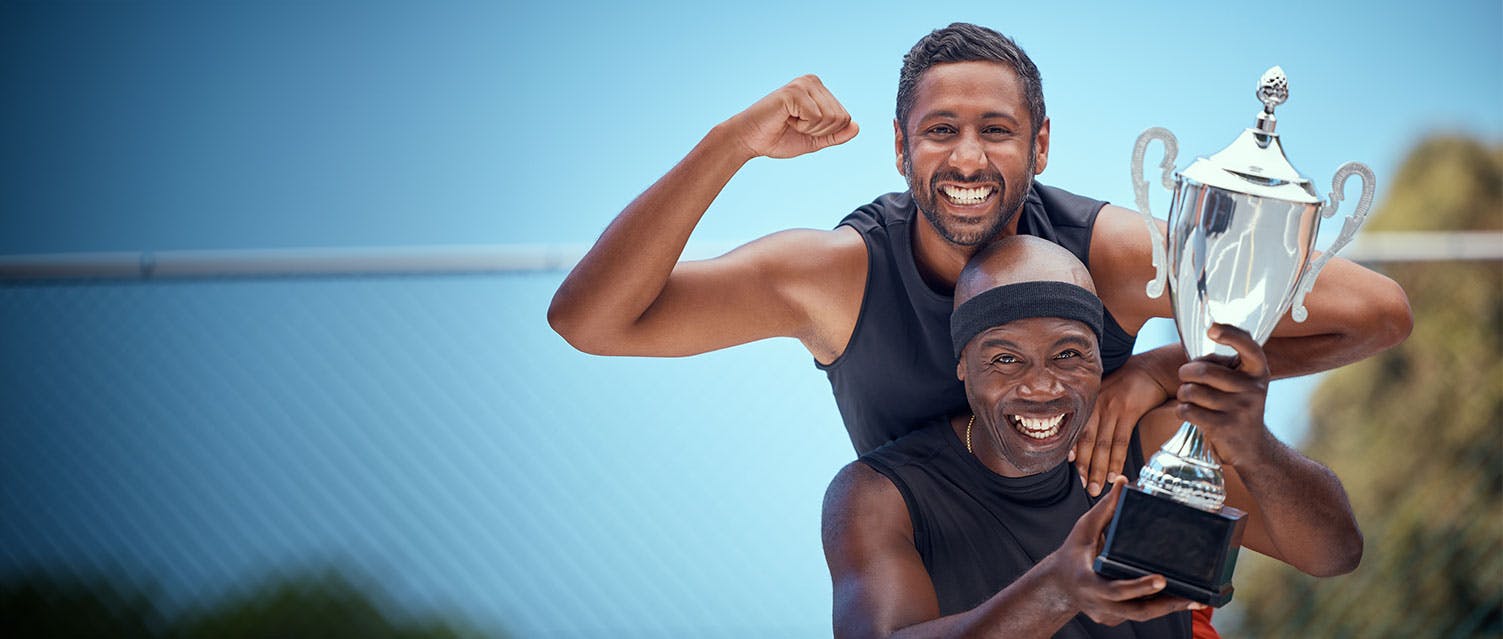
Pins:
x: 625, y: 271
x: 1287, y: 356
x: 1305, y: 510
x: 1032, y: 606
x: 1303, y: 355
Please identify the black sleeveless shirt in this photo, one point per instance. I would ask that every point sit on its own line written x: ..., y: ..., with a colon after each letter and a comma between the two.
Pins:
x: 897, y: 373
x: 978, y: 531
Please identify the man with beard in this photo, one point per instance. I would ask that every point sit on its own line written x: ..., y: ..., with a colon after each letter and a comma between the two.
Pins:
x: 871, y: 299
x: 976, y: 527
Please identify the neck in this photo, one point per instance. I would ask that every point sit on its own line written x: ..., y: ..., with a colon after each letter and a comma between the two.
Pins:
x: 940, y: 261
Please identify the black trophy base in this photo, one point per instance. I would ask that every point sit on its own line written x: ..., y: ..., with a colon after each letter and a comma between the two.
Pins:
x: 1194, y: 550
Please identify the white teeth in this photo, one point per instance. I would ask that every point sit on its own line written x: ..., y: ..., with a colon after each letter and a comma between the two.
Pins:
x: 1038, y: 427
x: 960, y: 195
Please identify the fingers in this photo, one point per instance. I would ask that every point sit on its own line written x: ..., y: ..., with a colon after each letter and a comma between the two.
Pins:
x: 1218, y: 377
x: 1214, y: 399
x: 1218, y: 388
x: 1249, y: 353
x: 1101, y: 456
x: 1216, y: 384
x: 1121, y: 441
x: 815, y: 112
x: 1129, y: 589
x: 1156, y: 607
x: 1104, y: 447
x: 1202, y: 417
x: 1138, y: 599
x: 1085, y: 447
x: 843, y: 135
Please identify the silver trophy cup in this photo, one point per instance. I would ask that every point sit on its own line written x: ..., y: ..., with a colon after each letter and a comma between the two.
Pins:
x: 1242, y: 228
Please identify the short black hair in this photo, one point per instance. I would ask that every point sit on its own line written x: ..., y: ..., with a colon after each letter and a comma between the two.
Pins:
x: 965, y: 42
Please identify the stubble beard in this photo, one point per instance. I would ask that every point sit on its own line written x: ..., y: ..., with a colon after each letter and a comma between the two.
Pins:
x: 927, y: 201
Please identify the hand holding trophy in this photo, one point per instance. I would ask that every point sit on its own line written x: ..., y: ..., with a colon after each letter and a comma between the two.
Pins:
x: 1242, y: 227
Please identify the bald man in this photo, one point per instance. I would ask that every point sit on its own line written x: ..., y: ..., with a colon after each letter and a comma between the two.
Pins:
x: 977, y: 526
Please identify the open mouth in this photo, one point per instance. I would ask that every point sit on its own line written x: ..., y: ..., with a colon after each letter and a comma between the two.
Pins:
x: 966, y: 195
x: 1037, y: 427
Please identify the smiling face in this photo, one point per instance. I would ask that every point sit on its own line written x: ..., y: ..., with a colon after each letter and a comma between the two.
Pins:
x: 1032, y: 383
x: 968, y: 150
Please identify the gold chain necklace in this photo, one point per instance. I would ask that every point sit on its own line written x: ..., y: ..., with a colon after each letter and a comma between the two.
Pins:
x: 968, y: 434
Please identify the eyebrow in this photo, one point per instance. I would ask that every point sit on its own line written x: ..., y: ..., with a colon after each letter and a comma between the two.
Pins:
x: 1065, y: 340
x: 989, y: 115
x: 1074, y: 340
x: 998, y: 341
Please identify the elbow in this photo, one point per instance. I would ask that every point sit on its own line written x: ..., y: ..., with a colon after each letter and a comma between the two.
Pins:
x: 567, y: 319
x: 1343, y: 558
x: 1340, y: 554
x: 1393, y: 317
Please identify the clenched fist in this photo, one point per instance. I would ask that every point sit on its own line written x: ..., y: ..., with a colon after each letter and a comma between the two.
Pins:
x: 801, y: 117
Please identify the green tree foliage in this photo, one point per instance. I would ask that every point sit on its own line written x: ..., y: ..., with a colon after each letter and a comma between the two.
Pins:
x: 307, y: 605
x: 1416, y: 434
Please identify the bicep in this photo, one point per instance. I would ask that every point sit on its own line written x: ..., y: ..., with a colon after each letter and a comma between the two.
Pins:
x: 771, y: 287
x: 879, y: 581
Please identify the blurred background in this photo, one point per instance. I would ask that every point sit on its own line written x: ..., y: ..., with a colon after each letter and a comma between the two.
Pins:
x: 273, y: 277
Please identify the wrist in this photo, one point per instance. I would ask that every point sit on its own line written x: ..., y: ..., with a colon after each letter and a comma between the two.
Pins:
x: 1162, y: 366
x: 1258, y: 454
x: 725, y: 141
x: 1056, y: 597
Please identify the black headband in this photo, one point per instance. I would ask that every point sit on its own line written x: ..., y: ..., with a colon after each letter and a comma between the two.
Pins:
x: 1004, y: 304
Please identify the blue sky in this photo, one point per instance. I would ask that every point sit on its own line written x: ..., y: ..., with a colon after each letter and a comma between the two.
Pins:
x: 149, y: 125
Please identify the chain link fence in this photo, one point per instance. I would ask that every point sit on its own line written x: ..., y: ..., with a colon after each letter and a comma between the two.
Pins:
x: 419, y: 455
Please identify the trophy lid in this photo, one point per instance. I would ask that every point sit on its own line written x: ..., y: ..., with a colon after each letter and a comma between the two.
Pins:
x: 1254, y: 163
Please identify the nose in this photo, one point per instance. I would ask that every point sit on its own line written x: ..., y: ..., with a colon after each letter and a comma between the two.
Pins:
x: 1039, y: 384
x: 969, y: 156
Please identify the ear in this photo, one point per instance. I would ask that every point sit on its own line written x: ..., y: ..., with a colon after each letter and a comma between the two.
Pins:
x: 897, y: 144
x: 1041, y: 148
x: 960, y: 368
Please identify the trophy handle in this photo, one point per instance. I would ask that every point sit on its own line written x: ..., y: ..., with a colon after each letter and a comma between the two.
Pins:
x: 1349, y: 229
x: 1156, y: 237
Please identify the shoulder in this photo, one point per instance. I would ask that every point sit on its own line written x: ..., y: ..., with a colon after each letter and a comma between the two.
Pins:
x: 880, y: 479
x: 886, y: 209
x: 1122, y: 265
x: 1120, y: 229
x: 861, y: 501
x: 1068, y: 209
x: 1120, y: 245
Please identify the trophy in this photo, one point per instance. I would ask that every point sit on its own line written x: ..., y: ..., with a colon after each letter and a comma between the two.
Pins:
x: 1242, y: 226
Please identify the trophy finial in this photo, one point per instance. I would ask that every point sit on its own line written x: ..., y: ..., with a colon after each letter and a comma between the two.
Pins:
x: 1273, y: 90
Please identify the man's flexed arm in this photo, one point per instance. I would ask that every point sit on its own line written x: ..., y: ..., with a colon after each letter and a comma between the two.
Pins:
x: 626, y: 295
